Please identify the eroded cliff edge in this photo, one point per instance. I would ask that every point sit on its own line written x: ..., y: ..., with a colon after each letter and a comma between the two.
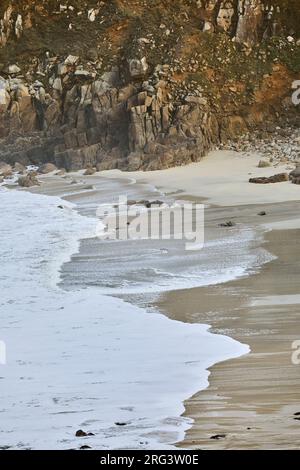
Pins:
x: 142, y: 84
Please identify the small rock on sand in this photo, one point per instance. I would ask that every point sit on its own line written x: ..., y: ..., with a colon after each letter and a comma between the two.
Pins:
x: 228, y: 224
x: 218, y: 436
x: 145, y: 202
x: 81, y: 433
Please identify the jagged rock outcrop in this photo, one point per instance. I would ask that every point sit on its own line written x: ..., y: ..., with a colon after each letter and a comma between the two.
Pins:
x: 108, y: 126
x: 113, y: 85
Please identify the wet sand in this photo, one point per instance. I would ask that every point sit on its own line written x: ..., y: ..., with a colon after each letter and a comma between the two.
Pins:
x: 251, y: 400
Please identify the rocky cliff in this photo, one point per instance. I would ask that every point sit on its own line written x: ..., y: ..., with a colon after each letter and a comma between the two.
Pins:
x: 141, y: 84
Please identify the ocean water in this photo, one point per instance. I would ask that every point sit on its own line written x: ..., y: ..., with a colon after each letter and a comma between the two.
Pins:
x: 80, y: 359
x: 114, y: 267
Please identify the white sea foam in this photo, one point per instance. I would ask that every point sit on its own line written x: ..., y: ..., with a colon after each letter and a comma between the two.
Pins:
x: 81, y: 359
x: 162, y: 266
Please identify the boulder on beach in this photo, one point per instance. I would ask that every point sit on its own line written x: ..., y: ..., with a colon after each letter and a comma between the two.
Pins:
x: 5, y: 169
x: 28, y: 181
x: 47, y: 168
x: 19, y: 168
x: 61, y: 172
x: 227, y: 224
x: 296, y: 180
x: 90, y: 171
x: 263, y: 164
x: 279, y: 178
x: 81, y: 433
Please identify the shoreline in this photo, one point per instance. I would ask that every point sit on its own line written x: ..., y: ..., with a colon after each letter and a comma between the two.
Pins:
x: 251, y: 400
x: 199, y: 348
x: 183, y: 305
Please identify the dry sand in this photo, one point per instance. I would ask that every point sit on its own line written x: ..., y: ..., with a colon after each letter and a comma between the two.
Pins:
x: 221, y: 178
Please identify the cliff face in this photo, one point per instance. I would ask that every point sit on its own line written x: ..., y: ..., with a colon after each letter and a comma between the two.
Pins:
x: 141, y: 84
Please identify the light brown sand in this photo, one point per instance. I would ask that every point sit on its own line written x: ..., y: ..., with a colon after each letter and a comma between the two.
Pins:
x: 222, y: 178
x: 251, y: 400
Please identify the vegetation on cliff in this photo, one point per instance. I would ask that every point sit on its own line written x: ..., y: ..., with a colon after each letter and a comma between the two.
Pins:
x: 234, y: 60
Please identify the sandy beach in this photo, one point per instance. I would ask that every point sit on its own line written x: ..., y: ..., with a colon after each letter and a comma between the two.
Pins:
x: 251, y: 400
x: 221, y: 178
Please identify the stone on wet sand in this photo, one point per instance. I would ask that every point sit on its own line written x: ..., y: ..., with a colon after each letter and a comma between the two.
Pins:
x: 227, y: 224
x: 81, y: 433
x: 145, y: 202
